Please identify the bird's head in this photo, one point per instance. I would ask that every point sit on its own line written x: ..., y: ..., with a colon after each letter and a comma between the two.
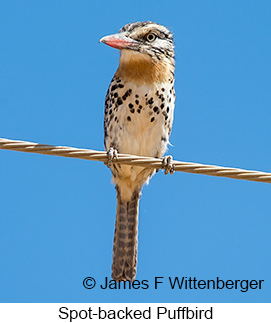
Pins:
x: 147, y: 50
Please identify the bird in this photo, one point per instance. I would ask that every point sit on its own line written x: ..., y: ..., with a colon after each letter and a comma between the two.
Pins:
x: 138, y: 117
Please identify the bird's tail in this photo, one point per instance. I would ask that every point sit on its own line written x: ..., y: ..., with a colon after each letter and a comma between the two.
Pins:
x: 125, y: 238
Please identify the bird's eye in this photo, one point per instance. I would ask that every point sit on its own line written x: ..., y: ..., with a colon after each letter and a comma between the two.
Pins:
x: 150, y: 37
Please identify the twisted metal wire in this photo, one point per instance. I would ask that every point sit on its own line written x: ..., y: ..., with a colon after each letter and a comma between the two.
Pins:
x: 126, y: 159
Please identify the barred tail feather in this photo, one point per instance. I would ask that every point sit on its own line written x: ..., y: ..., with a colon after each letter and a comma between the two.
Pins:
x: 125, y: 238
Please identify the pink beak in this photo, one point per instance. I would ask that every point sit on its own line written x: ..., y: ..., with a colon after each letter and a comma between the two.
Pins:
x: 119, y: 41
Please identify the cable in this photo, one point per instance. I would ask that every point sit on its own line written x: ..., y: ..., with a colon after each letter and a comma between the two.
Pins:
x: 157, y: 163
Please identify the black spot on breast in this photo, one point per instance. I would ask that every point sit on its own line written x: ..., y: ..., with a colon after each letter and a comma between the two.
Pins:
x: 140, y: 107
x: 167, y: 109
x: 161, y: 97
x: 115, y: 94
x: 163, y: 138
x: 110, y: 111
x: 114, y: 87
x: 137, y: 102
x: 128, y: 118
x: 138, y: 110
x: 126, y: 94
x: 132, y: 110
x: 131, y: 105
x: 150, y: 101
x: 155, y: 109
x: 152, y: 119
x: 163, y: 90
x: 162, y: 106
x: 121, y: 86
x: 119, y: 101
x: 136, y: 96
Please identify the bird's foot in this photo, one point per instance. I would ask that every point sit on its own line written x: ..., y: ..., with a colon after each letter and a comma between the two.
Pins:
x: 112, y: 154
x: 167, y: 165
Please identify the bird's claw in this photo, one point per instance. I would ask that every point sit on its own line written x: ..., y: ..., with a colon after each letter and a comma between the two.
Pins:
x: 168, y: 165
x: 112, y: 154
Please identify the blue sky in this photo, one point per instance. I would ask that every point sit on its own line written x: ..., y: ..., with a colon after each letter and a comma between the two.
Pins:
x: 57, y: 215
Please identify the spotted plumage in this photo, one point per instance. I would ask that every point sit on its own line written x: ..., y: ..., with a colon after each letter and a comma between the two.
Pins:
x: 138, y: 119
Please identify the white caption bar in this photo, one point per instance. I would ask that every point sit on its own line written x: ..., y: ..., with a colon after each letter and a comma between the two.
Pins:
x: 155, y: 312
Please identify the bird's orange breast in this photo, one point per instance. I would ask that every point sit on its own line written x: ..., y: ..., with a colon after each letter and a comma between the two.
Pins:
x: 141, y: 68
